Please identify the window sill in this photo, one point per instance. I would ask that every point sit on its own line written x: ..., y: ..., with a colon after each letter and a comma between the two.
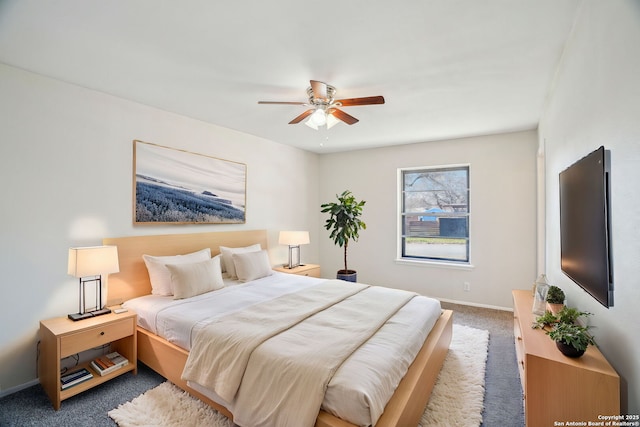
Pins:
x: 435, y: 264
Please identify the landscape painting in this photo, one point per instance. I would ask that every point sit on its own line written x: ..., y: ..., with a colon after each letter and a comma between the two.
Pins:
x: 178, y: 187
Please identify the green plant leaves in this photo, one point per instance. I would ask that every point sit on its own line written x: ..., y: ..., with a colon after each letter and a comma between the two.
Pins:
x: 344, y: 223
x: 555, y: 295
x: 571, y: 334
x: 564, y: 328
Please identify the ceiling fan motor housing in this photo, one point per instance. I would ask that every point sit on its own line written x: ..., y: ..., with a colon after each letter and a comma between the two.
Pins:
x: 316, y: 100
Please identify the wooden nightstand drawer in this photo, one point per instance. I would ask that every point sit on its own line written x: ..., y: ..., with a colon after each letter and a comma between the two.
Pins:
x: 312, y: 272
x: 94, y: 337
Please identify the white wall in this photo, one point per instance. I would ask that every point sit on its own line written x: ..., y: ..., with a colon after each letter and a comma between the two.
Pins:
x: 66, y: 169
x: 502, y: 224
x: 596, y: 102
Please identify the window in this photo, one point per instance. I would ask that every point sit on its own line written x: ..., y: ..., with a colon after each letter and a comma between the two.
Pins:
x: 434, y: 214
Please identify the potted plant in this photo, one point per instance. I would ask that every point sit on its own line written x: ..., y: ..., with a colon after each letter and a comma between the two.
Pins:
x: 566, y: 315
x: 571, y: 339
x: 555, y: 299
x: 546, y: 320
x: 344, y: 223
x: 570, y: 314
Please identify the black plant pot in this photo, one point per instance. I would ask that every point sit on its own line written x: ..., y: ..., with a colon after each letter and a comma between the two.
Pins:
x: 347, y: 275
x: 569, y: 350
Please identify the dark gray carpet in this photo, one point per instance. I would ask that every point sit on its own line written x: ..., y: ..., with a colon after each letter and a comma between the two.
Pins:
x: 31, y: 407
x: 503, y: 394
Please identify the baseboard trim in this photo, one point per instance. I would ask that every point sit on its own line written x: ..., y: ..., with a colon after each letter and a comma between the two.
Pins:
x: 17, y: 388
x: 473, y: 304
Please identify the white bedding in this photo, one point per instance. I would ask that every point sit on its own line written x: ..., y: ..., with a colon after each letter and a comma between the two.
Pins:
x: 363, y: 384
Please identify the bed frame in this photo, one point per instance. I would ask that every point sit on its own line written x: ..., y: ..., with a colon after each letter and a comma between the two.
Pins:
x: 406, y: 405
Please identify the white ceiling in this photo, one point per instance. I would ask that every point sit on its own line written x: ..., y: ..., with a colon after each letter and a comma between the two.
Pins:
x: 447, y: 68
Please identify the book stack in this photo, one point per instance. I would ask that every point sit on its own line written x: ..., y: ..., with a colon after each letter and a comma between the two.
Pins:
x: 106, y: 364
x: 73, y: 378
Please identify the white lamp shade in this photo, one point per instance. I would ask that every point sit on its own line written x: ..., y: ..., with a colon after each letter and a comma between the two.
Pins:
x: 93, y: 261
x: 294, y: 238
x: 319, y: 117
x: 332, y: 121
x: 311, y: 125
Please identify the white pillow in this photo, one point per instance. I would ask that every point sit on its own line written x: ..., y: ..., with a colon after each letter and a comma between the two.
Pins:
x: 159, y: 274
x: 195, y: 278
x: 227, y: 257
x: 252, y: 265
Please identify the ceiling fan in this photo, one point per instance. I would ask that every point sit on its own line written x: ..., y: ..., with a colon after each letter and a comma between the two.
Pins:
x: 325, y: 109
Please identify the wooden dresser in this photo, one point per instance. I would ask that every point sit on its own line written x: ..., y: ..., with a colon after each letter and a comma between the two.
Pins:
x: 558, y: 388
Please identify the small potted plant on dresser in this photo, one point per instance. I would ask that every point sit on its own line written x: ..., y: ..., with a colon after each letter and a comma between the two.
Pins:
x: 571, y: 315
x: 555, y: 299
x: 344, y: 223
x: 571, y: 339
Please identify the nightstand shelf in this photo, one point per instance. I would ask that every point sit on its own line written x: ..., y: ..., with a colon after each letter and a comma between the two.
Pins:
x: 61, y: 337
x: 311, y: 270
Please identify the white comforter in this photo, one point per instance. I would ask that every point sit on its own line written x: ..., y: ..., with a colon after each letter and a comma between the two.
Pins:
x: 360, y: 387
x: 287, y: 350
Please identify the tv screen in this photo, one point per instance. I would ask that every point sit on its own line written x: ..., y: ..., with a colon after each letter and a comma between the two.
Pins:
x: 584, y: 225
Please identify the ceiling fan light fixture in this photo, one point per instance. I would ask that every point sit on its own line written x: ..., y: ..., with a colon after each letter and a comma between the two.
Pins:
x: 319, y: 117
x: 331, y: 121
x: 325, y: 109
x: 311, y: 124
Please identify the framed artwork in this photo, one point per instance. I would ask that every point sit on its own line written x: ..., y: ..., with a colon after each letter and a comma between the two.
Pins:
x: 172, y: 186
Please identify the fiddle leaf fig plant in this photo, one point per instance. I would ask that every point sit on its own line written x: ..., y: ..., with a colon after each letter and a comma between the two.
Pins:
x: 344, y: 221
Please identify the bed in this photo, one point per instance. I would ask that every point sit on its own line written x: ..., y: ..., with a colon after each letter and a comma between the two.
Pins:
x: 169, y: 359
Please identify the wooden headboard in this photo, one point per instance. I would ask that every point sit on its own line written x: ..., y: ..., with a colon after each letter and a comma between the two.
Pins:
x: 133, y: 280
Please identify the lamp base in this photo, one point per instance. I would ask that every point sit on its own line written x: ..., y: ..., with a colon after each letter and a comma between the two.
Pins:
x: 77, y: 316
x: 287, y: 266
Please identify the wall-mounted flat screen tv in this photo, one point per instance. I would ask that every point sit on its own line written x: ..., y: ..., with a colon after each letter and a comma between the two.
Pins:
x: 585, y: 233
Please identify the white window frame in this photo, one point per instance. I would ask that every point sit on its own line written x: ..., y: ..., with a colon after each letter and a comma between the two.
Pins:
x: 430, y: 262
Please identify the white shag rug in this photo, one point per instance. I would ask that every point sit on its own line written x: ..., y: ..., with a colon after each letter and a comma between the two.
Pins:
x: 458, y: 396
x: 456, y: 400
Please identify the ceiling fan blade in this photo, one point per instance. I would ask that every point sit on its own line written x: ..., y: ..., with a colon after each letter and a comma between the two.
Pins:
x: 301, y: 117
x: 369, y: 100
x: 339, y: 114
x: 281, y: 102
x: 319, y: 89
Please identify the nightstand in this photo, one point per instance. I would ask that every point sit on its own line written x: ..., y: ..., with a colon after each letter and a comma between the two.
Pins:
x: 311, y: 270
x: 61, y: 337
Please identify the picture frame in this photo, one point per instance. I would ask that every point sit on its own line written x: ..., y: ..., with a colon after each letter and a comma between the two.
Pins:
x: 173, y: 186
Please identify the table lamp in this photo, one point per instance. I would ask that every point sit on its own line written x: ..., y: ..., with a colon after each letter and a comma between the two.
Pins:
x: 89, y: 264
x: 294, y: 239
